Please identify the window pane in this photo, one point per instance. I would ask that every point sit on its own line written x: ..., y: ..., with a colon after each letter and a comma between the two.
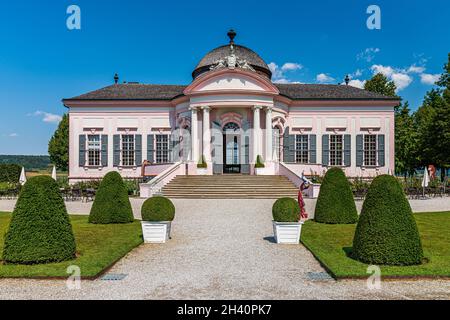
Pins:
x: 370, y: 150
x: 162, y: 148
x: 128, y: 150
x: 94, y: 148
x: 336, y: 150
x: 301, y: 148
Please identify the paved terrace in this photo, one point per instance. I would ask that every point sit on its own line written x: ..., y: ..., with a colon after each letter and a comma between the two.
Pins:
x: 222, y: 249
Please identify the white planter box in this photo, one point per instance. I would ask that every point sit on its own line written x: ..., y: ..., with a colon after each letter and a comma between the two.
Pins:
x: 287, y: 232
x: 313, y: 190
x: 156, y: 231
x: 260, y: 171
x: 202, y: 171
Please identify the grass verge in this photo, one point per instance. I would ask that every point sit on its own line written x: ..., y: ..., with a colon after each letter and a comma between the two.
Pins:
x: 330, y: 244
x: 98, y: 248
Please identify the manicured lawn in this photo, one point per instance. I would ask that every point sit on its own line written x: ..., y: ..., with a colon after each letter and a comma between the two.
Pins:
x: 329, y: 244
x: 98, y: 247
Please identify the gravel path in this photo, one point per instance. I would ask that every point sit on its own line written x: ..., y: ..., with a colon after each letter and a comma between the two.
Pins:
x: 221, y: 249
x: 78, y: 207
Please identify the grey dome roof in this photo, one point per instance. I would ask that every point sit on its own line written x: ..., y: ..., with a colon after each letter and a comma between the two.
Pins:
x: 223, y: 51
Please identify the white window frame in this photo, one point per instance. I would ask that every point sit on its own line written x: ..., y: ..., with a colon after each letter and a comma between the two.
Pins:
x: 374, y: 162
x: 300, y: 153
x: 96, y: 148
x: 162, y: 155
x: 336, y: 153
x: 125, y: 159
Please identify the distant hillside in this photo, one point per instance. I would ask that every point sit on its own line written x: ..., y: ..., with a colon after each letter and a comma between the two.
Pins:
x: 29, y: 162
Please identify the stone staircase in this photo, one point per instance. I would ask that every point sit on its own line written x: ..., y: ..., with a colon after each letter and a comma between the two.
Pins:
x: 230, y: 186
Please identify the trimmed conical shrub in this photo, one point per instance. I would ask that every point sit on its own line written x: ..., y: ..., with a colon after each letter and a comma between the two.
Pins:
x: 40, y: 229
x: 335, y: 204
x: 111, y: 204
x: 387, y: 232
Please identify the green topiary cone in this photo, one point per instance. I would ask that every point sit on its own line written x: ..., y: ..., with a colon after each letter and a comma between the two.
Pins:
x: 335, y: 204
x: 387, y: 232
x: 40, y: 229
x: 111, y: 204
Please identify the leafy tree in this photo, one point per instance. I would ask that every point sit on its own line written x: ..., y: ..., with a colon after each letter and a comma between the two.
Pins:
x: 432, y: 120
x: 58, y: 146
x: 380, y: 84
x: 405, y: 141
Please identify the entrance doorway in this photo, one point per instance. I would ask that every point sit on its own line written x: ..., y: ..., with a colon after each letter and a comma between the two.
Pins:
x: 231, y: 148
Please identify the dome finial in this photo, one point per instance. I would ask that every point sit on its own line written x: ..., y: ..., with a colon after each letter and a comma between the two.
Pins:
x: 231, y: 34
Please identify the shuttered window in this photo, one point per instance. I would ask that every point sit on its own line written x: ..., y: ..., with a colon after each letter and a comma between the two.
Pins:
x: 301, y: 148
x: 162, y: 148
x: 370, y: 150
x: 336, y: 150
x: 128, y: 149
x: 94, y: 150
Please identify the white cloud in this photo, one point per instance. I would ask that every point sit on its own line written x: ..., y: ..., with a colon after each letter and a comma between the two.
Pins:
x: 324, y: 78
x: 368, y: 54
x: 278, y: 74
x: 429, y: 79
x: 291, y: 66
x: 357, y: 83
x: 400, y: 76
x: 13, y: 135
x: 47, y: 117
x: 416, y: 69
x: 357, y: 73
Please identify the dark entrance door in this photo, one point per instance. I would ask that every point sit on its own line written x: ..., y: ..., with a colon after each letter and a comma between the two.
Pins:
x: 231, y: 149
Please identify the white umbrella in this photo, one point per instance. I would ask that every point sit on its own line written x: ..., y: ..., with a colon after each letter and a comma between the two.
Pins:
x: 425, y: 180
x: 54, y: 173
x: 23, y: 177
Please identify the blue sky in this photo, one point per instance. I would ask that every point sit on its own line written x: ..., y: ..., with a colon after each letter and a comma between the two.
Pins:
x: 41, y: 61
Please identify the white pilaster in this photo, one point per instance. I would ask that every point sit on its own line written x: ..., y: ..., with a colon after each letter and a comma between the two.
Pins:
x: 194, y: 134
x: 206, y: 134
x: 269, y: 137
x: 256, y: 132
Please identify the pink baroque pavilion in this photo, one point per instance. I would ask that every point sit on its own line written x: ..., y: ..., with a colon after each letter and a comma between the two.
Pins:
x: 230, y: 114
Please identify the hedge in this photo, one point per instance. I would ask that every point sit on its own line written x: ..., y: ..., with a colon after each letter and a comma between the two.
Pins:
x: 40, y: 229
x: 10, y: 173
x: 111, y: 204
x: 335, y: 204
x: 387, y: 233
x: 158, y: 208
x: 286, y: 210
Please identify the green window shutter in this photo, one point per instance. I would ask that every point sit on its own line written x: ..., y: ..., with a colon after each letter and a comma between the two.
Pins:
x: 359, y: 150
x: 82, y: 151
x: 286, y: 145
x: 312, y: 149
x: 104, y: 150
x: 138, y: 150
x: 347, y: 150
x: 151, y: 148
x: 116, y: 150
x: 325, y: 149
x: 381, y: 152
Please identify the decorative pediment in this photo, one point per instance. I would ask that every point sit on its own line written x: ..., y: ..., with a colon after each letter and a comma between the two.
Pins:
x: 227, y: 80
x: 231, y: 62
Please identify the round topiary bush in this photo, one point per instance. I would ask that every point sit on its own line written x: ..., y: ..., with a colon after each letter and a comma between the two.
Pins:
x: 387, y: 232
x: 111, y: 204
x: 40, y: 229
x: 158, y: 209
x: 286, y: 210
x: 335, y: 204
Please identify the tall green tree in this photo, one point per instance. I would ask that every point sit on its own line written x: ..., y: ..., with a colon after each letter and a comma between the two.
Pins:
x: 405, y: 141
x: 58, y: 146
x: 432, y: 120
x: 379, y: 83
